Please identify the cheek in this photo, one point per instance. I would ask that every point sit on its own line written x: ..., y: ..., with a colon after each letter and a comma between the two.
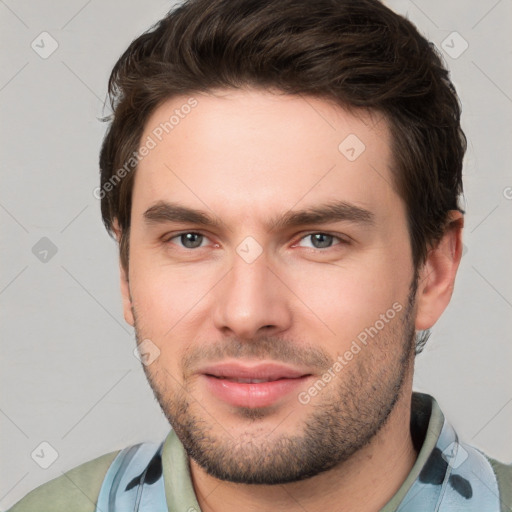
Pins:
x: 166, y: 296
x: 343, y: 300
x: 164, y: 301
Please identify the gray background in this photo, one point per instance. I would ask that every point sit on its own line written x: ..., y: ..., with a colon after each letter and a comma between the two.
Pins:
x: 69, y: 376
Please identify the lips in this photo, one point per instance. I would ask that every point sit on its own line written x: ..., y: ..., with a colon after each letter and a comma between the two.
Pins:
x: 256, y: 385
x: 245, y: 381
x: 261, y: 371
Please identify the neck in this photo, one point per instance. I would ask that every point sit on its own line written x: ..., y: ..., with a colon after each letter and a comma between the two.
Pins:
x: 365, y: 482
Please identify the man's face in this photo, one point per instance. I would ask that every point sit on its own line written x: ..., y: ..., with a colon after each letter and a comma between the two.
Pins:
x: 320, y: 307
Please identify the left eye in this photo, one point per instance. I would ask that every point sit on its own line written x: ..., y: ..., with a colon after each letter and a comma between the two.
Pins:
x: 190, y: 240
x: 320, y: 240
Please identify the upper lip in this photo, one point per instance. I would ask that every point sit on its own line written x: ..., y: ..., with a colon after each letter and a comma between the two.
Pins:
x: 267, y: 371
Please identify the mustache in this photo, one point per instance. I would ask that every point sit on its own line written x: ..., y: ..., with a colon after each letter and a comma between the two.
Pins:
x: 264, y: 348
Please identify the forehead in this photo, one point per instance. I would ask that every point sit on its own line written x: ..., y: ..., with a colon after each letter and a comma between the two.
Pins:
x: 251, y: 152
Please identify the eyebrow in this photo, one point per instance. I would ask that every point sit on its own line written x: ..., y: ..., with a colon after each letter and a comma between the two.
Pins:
x: 334, y: 211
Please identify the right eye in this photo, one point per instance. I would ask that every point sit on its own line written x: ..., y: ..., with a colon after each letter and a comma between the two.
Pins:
x: 189, y: 240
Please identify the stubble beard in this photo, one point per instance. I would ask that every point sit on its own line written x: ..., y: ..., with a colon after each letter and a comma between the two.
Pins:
x: 344, y: 417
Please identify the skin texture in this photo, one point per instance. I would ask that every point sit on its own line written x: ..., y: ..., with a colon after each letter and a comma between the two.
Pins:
x: 248, y: 157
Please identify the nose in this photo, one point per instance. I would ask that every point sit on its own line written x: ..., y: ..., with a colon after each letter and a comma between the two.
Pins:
x: 252, y: 300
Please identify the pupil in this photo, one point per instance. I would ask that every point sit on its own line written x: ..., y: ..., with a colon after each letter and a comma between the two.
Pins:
x: 321, y: 240
x: 191, y: 240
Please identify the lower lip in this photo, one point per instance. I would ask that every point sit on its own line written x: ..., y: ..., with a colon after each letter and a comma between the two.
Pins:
x: 263, y: 394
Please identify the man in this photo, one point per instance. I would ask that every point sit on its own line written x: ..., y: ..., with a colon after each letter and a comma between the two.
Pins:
x: 283, y: 181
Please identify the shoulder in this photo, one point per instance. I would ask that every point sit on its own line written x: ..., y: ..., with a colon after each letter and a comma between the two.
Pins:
x: 76, y: 490
x: 503, y: 474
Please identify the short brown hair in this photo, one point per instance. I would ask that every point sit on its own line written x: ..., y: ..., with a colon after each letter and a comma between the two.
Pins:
x: 357, y: 53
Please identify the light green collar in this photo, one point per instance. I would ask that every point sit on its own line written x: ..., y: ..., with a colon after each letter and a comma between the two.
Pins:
x: 180, y: 493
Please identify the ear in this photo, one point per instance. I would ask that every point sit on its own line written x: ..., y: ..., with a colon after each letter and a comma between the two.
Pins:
x: 437, y: 275
x: 124, y: 281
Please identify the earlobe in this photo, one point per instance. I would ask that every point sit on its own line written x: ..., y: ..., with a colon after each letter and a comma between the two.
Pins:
x: 126, y: 296
x: 124, y: 281
x: 116, y: 230
x: 437, y: 275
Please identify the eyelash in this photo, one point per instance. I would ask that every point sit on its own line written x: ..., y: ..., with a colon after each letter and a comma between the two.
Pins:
x: 342, y: 241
